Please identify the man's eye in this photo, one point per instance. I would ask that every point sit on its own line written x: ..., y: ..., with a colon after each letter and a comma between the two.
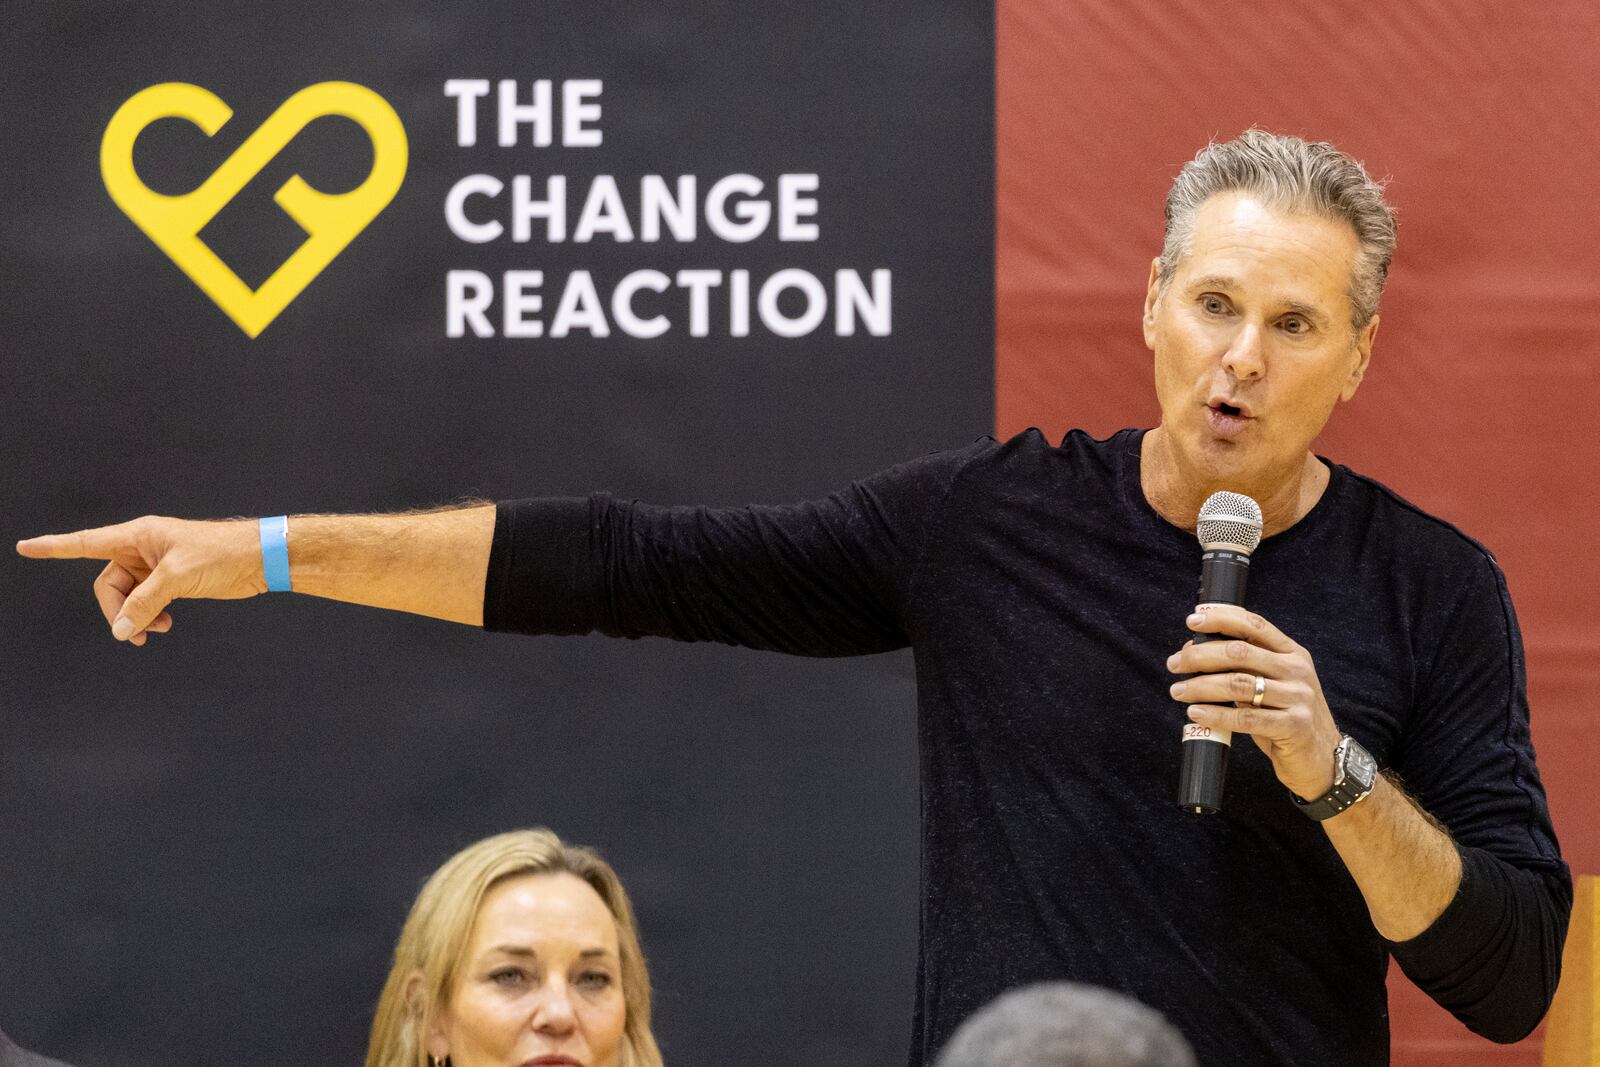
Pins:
x: 1296, y: 325
x: 1214, y: 305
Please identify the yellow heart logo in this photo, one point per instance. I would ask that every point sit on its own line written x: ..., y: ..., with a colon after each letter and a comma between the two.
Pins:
x: 330, y: 221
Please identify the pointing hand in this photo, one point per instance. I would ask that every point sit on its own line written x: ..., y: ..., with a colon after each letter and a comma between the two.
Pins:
x: 153, y: 561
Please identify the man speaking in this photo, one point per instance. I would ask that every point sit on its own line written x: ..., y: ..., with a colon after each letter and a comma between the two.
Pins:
x: 1046, y: 590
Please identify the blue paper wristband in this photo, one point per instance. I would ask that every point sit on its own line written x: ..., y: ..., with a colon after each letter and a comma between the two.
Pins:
x: 275, y: 553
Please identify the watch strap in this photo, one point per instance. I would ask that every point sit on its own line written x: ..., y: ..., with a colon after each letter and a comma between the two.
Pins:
x: 1346, y: 791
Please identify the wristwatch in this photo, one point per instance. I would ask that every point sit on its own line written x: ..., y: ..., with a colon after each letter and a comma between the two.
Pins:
x: 1354, y: 773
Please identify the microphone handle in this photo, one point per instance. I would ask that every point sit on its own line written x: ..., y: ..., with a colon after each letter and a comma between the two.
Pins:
x: 1223, y: 574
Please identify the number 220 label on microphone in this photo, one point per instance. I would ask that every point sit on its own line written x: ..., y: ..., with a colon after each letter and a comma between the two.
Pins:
x: 1193, y: 731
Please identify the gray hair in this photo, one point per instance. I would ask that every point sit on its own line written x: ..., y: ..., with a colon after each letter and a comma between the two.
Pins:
x: 1065, y: 1024
x: 1294, y: 175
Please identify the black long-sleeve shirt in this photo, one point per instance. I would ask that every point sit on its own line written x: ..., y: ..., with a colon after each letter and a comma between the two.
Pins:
x: 1042, y: 595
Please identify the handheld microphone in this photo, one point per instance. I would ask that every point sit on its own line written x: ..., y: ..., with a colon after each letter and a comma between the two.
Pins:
x: 1229, y: 530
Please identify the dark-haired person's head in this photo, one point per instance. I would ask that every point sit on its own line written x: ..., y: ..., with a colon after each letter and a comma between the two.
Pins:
x: 1065, y: 1024
x: 519, y: 949
x: 12, y: 1056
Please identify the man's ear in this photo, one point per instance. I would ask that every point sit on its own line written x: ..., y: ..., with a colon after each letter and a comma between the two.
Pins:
x: 1152, y: 294
x: 1363, y: 356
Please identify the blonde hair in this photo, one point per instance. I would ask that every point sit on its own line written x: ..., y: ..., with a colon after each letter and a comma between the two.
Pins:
x: 434, y: 941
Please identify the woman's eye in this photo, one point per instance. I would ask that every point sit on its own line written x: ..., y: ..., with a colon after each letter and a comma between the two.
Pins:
x: 508, y: 976
x: 594, y: 980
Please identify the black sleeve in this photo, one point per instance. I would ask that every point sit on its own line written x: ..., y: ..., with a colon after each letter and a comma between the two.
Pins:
x: 830, y: 577
x: 1493, y: 957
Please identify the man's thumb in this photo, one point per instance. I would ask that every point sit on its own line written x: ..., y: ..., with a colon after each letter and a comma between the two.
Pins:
x: 147, y: 600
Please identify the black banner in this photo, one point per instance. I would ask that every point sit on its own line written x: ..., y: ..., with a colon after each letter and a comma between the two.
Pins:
x: 308, y: 258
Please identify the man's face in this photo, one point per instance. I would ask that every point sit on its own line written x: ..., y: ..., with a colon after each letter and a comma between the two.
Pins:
x: 1252, y: 340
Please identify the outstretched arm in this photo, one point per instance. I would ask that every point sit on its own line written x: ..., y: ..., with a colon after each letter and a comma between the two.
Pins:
x: 428, y: 563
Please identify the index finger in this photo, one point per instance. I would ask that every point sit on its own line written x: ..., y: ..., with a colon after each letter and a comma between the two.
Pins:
x: 101, y: 542
x: 1234, y: 621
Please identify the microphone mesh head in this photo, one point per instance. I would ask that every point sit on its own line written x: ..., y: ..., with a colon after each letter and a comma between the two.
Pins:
x: 1229, y: 520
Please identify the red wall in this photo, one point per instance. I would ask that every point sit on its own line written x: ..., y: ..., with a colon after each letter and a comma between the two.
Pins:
x: 1481, y: 402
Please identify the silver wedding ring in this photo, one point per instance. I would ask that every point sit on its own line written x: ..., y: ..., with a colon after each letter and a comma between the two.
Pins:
x: 1261, y: 691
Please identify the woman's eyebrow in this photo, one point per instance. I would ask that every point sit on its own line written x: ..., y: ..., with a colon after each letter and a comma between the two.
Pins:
x: 514, y: 950
x: 525, y: 952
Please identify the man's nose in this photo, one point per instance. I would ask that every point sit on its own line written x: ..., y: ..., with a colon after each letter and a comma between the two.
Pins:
x: 1244, y: 358
x: 553, y: 1013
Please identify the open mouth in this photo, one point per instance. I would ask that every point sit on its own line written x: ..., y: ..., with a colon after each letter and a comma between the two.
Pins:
x: 1227, y: 420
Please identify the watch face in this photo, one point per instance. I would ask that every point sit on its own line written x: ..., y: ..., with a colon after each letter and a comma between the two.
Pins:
x: 1362, y: 767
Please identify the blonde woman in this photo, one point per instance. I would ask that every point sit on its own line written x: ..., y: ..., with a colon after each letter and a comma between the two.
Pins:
x: 520, y: 951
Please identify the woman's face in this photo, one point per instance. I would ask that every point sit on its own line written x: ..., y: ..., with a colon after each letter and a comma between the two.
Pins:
x: 542, y: 981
